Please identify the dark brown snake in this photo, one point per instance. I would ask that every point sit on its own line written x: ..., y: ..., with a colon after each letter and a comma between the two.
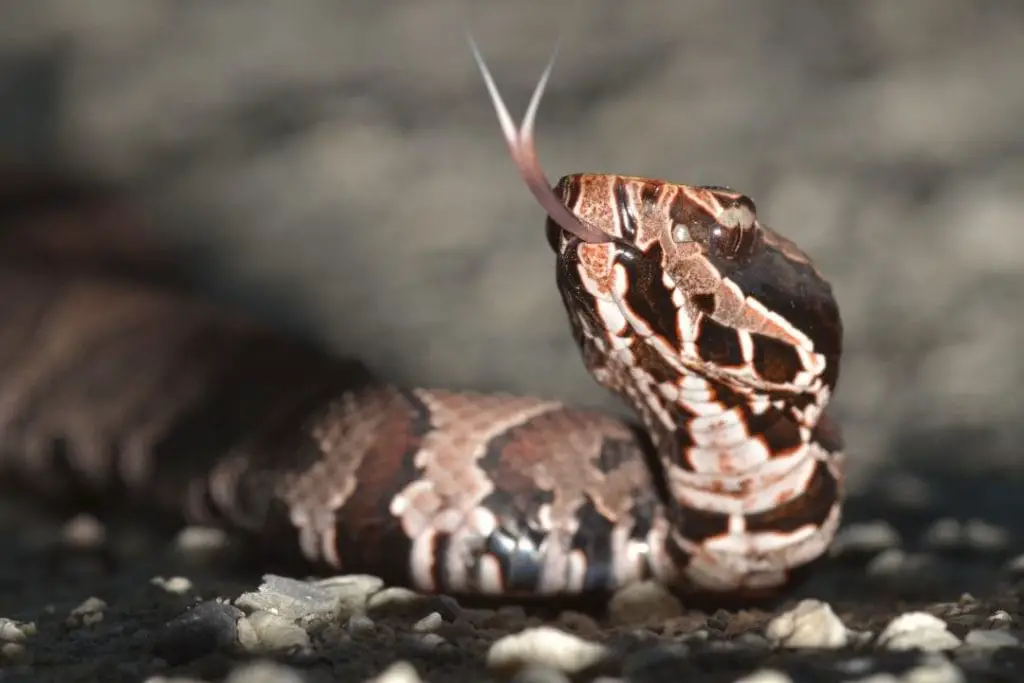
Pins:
x: 718, y: 331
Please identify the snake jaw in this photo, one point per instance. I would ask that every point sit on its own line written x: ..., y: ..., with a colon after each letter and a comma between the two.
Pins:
x: 522, y: 146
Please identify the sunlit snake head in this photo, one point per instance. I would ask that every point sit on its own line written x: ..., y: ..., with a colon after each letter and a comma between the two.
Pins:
x: 693, y: 272
x: 690, y: 270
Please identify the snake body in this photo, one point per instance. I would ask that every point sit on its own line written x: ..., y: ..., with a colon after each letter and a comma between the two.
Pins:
x: 719, y: 332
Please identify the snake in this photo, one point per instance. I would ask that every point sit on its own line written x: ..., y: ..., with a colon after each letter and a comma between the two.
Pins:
x: 120, y: 385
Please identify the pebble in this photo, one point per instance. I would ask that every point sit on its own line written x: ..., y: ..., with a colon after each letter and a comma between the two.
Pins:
x: 277, y: 634
x: 176, y: 585
x: 430, y: 642
x: 932, y: 669
x: 546, y: 646
x: 643, y: 602
x: 88, y: 613
x: 989, y: 639
x: 811, y: 624
x: 865, y: 539
x: 205, y: 628
x: 948, y: 534
x: 264, y: 672
x: 200, y: 541
x: 431, y: 622
x: 399, y: 672
x: 290, y: 598
x: 896, y: 565
x: 12, y: 631
x: 15, y: 653
x: 351, y: 592
x: 917, y: 630
x: 399, y: 602
x: 360, y: 624
x: 84, y: 532
x: 1000, y: 619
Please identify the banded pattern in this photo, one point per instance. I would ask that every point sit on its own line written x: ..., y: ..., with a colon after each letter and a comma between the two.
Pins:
x: 116, y: 384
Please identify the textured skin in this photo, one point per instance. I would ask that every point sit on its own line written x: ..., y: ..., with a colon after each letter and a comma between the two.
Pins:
x: 115, y: 383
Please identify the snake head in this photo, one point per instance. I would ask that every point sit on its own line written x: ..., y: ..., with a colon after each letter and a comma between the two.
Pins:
x: 694, y: 272
x: 689, y: 270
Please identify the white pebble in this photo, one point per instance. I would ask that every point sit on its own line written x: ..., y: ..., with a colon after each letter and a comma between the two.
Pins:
x: 177, y: 585
x: 399, y: 672
x: 543, y: 645
x: 277, y: 634
x: 15, y: 632
x: 1000, y: 618
x: 917, y: 630
x: 811, y: 624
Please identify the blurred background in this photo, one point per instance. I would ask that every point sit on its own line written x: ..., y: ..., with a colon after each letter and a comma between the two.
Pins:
x: 336, y: 168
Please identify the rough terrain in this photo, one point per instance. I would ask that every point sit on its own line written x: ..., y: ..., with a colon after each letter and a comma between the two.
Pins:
x: 336, y: 169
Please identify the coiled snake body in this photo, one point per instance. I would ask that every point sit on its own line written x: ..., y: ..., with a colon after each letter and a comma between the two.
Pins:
x: 719, y: 332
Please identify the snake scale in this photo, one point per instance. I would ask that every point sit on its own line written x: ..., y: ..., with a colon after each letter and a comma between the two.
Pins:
x: 117, y: 383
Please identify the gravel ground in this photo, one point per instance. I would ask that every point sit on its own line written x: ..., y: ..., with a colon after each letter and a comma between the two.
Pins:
x: 335, y: 168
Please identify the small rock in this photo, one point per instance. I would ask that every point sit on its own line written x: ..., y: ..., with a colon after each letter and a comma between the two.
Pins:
x: 447, y: 606
x: 896, y: 565
x: 643, y: 602
x: 264, y: 672
x: 290, y: 598
x: 399, y: 672
x: 430, y: 642
x: 276, y: 633
x: 1000, y: 619
x: 770, y: 676
x: 977, y: 535
x: 943, y: 534
x: 177, y: 585
x: 1014, y: 565
x: 197, y: 540
x: 933, y: 668
x: 15, y: 632
x: 397, y: 601
x: 351, y: 592
x: 917, y: 630
x: 15, y: 653
x: 246, y: 636
x: 811, y: 624
x: 205, y: 628
x: 360, y: 624
x: 865, y: 539
x: 546, y: 646
x: 989, y: 639
x: 84, y: 532
x: 89, y: 612
x: 577, y: 623
x: 752, y: 641
x: 984, y: 537
x: 507, y: 617
x: 431, y: 622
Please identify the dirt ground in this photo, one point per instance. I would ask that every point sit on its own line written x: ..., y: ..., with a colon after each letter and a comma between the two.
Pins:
x: 336, y: 169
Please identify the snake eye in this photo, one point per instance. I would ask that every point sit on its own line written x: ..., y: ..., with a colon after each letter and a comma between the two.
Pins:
x: 736, y: 234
